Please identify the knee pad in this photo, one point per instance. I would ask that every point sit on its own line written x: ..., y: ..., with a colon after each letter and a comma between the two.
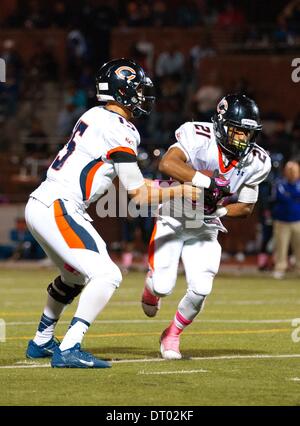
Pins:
x: 62, y: 292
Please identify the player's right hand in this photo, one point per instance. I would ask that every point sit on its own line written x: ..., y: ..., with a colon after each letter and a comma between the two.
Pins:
x: 220, y: 187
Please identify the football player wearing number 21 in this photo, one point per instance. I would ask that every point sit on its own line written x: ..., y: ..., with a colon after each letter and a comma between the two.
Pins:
x: 234, y: 164
x: 103, y: 145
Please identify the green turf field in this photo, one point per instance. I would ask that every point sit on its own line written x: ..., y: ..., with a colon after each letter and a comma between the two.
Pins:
x: 240, y: 348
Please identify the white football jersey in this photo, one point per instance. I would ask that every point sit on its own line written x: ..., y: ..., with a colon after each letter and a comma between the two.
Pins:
x: 197, y: 140
x: 86, y: 166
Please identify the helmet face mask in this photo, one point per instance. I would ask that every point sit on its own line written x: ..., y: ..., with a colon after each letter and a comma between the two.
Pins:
x: 125, y: 82
x: 236, y: 125
x: 239, y: 141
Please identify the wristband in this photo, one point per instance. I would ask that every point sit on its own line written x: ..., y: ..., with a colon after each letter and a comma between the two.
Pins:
x: 201, y: 181
x: 221, y: 211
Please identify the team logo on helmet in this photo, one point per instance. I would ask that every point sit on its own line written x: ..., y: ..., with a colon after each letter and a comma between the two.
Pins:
x: 126, y: 73
x: 222, y: 106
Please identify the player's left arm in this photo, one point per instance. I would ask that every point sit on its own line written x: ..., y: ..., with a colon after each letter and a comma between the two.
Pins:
x: 239, y: 209
x: 247, y: 197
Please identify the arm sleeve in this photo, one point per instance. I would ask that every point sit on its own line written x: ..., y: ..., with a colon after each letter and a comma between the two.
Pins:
x: 262, y: 170
x: 129, y: 175
x: 248, y: 194
x: 262, y: 166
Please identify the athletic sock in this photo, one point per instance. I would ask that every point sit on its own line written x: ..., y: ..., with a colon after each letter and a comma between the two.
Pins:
x: 178, y: 324
x: 75, y: 333
x: 45, y: 330
x: 93, y: 299
x: 190, y: 305
x: 48, y: 321
x: 188, y: 308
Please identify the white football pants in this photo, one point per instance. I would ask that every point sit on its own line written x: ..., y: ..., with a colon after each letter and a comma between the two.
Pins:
x: 71, y: 242
x: 199, y: 250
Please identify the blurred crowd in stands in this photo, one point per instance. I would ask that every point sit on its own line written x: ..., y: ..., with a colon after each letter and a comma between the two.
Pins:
x: 42, y: 99
x: 256, y: 22
x: 157, y: 13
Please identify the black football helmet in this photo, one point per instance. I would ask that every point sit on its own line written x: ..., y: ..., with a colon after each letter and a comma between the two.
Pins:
x: 236, y: 125
x: 124, y: 81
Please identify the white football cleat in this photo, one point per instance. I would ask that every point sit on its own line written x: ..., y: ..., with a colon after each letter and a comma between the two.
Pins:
x: 169, y: 346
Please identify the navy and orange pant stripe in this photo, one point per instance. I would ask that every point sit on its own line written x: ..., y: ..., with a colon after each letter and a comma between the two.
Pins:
x: 87, y: 176
x: 151, y: 248
x: 75, y: 235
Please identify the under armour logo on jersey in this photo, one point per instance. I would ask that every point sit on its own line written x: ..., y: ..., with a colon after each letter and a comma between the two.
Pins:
x: 129, y: 141
x: 178, y: 135
x: 126, y: 73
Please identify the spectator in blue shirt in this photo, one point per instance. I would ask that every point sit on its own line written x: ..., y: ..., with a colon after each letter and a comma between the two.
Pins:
x: 286, y: 215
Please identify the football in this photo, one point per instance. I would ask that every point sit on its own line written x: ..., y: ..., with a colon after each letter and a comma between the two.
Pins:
x: 208, y: 173
x: 212, y: 173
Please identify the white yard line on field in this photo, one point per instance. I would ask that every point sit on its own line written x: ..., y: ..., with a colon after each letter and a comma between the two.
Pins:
x: 255, y: 302
x: 149, y: 373
x: 136, y: 361
x: 146, y: 321
x: 213, y: 358
x: 25, y: 366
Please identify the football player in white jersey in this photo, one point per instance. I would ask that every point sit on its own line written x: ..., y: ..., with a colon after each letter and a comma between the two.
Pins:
x: 227, y: 147
x: 103, y: 145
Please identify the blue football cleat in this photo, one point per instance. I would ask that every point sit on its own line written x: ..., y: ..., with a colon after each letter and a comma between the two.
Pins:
x: 76, y: 358
x: 42, y: 351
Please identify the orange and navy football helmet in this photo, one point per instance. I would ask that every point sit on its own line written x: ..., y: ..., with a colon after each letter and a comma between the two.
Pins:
x: 124, y: 81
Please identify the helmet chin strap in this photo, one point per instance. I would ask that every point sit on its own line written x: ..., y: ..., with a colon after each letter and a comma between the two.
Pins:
x: 228, y: 159
x: 136, y: 112
x: 229, y: 156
